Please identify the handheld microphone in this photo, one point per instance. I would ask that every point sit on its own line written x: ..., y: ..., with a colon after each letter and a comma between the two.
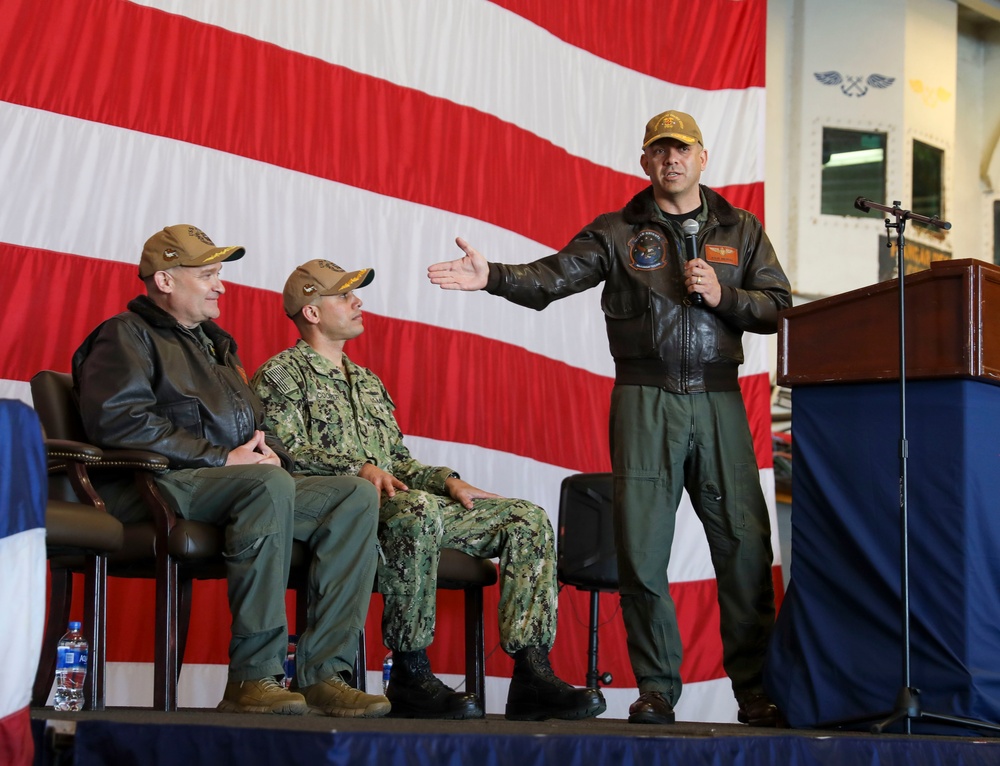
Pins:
x: 690, y: 228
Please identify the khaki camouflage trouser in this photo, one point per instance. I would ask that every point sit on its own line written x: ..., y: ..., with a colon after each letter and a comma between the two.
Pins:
x: 413, y: 528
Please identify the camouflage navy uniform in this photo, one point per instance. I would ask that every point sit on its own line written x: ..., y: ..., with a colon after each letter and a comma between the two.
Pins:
x: 335, y: 423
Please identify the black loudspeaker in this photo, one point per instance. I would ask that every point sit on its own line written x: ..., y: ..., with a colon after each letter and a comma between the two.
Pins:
x: 586, y: 546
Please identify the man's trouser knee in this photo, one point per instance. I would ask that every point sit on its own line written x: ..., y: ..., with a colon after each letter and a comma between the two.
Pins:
x: 411, y: 528
x: 416, y: 525
x: 336, y: 517
x: 254, y: 504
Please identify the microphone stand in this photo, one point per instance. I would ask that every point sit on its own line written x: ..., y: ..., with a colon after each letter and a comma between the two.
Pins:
x: 907, y: 705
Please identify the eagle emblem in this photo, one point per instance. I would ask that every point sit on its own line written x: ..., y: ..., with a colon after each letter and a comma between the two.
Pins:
x: 646, y: 249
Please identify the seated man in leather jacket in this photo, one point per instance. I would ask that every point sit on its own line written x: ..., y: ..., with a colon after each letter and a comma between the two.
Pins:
x: 162, y: 376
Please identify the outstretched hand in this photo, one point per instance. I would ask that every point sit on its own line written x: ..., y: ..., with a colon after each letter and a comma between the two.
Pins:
x: 466, y: 273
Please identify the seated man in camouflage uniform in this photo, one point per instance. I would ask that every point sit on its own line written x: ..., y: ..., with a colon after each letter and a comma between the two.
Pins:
x: 337, y: 419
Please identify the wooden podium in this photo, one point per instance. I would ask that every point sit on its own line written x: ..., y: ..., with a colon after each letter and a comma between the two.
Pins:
x: 854, y: 337
x: 838, y: 646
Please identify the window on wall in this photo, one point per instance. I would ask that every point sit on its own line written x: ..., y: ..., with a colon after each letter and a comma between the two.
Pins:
x: 853, y: 166
x: 928, y: 189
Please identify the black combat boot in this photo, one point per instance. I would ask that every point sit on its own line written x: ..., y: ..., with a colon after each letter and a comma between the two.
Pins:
x: 415, y: 692
x: 536, y: 693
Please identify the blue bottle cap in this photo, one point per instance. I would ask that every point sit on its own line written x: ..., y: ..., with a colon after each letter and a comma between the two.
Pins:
x: 74, y: 626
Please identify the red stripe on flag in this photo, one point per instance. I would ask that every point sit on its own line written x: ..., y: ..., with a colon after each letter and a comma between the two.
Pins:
x: 516, y: 403
x: 17, y: 745
x: 269, y: 104
x: 714, y: 44
x: 208, y: 640
x: 520, y: 389
x: 756, y: 391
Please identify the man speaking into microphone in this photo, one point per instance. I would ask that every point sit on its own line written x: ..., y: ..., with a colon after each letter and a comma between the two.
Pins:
x: 677, y: 415
x: 690, y: 228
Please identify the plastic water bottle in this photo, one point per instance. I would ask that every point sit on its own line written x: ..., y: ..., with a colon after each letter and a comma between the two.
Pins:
x: 290, y: 661
x: 386, y: 670
x: 71, y: 669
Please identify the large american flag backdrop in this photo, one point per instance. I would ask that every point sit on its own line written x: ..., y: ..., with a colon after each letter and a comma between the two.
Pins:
x: 372, y: 133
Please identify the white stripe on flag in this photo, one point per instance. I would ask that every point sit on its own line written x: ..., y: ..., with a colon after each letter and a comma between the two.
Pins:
x: 22, y: 596
x: 146, y: 182
x: 15, y: 389
x: 128, y: 197
x: 514, y: 476
x: 450, y: 50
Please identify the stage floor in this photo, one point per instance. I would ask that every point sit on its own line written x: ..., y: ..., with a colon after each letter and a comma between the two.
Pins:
x: 191, y: 737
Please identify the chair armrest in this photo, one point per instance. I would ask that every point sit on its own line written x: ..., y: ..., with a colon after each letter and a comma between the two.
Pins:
x: 143, y: 465
x: 134, y: 460
x: 79, y: 460
x: 64, y: 449
x: 71, y: 459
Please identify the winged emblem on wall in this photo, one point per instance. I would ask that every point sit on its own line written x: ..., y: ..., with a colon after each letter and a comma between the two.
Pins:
x: 854, y: 85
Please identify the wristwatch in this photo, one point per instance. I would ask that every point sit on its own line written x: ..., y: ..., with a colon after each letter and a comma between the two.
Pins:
x: 452, y: 475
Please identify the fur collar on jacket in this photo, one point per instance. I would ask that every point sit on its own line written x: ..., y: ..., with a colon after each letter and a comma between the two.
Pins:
x: 150, y: 312
x: 641, y: 208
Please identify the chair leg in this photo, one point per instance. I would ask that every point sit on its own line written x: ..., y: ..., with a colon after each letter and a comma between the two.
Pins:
x: 165, y: 661
x: 301, y: 608
x: 184, y: 590
x: 475, y: 646
x: 361, y: 665
x: 592, y: 680
x: 60, y: 596
x: 95, y: 604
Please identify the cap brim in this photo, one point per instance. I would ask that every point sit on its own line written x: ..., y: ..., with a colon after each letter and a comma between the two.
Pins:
x: 215, y: 255
x: 220, y: 254
x: 353, y: 280
x: 680, y: 137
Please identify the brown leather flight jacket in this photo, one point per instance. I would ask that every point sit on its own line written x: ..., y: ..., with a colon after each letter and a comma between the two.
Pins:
x: 657, y: 337
x: 146, y: 382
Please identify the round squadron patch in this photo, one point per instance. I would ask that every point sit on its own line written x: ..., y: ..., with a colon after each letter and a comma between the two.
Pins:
x: 646, y: 250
